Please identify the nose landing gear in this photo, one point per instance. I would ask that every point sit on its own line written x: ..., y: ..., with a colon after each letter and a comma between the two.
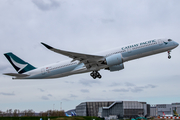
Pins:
x: 169, y: 56
x: 95, y: 74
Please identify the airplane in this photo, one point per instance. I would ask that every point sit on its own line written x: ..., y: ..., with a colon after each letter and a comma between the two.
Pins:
x: 167, y: 115
x: 112, y: 60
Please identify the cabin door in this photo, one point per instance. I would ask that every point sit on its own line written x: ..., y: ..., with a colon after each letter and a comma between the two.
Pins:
x: 160, y: 42
x: 43, y: 71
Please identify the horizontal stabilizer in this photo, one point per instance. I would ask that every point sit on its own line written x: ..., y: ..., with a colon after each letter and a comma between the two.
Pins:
x: 16, y: 74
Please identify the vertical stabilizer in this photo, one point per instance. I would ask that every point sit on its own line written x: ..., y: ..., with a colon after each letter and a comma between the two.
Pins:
x: 164, y: 114
x: 19, y: 65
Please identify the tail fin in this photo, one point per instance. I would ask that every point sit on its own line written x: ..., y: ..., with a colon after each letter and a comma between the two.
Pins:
x: 20, y: 65
x: 164, y: 114
x: 72, y: 114
x: 67, y: 115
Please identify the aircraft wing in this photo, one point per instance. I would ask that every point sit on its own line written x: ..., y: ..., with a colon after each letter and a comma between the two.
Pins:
x: 84, y: 58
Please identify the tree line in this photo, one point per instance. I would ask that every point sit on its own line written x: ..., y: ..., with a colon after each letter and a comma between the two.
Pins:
x: 31, y: 113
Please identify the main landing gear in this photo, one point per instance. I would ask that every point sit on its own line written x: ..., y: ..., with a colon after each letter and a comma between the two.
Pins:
x: 169, y: 56
x: 95, y: 74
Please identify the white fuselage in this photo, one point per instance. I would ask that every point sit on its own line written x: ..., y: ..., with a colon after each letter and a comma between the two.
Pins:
x: 128, y: 52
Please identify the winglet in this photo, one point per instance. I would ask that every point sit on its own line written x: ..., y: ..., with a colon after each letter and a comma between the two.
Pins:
x: 47, y: 46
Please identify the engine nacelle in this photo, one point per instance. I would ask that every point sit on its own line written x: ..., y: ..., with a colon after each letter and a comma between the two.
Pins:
x: 115, y: 59
x: 116, y: 67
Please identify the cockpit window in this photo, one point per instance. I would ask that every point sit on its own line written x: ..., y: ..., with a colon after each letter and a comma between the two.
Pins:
x: 169, y: 40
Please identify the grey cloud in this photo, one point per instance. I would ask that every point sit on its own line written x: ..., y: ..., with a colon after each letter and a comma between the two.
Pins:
x: 46, y: 6
x: 69, y: 82
x: 84, y: 90
x: 44, y: 98
x: 7, y: 94
x: 115, y: 84
x: 41, y: 89
x: 121, y: 90
x: 141, y: 88
x: 151, y: 86
x: 129, y: 84
x: 65, y: 99
x: 133, y: 87
x: 50, y: 95
x: 88, y: 82
x: 73, y: 96
x: 137, y: 89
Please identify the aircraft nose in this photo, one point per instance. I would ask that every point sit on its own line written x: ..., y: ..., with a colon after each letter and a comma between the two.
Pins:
x: 176, y: 44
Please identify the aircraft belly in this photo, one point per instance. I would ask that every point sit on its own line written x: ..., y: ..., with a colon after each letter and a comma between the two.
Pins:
x: 76, y: 71
x: 52, y: 73
x: 83, y: 70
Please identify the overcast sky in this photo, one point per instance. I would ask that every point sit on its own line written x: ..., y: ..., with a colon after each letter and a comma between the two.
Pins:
x: 88, y: 26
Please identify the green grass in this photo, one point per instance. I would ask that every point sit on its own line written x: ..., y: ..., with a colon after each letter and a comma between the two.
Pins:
x: 77, y: 118
x: 51, y: 118
x: 25, y: 118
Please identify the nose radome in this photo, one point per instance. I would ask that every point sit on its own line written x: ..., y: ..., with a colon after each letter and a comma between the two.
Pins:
x: 176, y: 43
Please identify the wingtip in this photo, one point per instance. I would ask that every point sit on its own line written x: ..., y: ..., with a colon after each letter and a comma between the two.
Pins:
x: 47, y: 46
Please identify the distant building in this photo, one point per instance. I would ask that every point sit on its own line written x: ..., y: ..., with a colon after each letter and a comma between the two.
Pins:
x: 91, y: 108
x: 125, y: 109
x: 153, y: 111
x: 120, y: 109
x: 176, y: 107
x: 167, y: 109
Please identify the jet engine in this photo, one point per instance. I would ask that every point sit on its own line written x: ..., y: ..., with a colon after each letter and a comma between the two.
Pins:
x: 115, y: 67
x: 115, y: 59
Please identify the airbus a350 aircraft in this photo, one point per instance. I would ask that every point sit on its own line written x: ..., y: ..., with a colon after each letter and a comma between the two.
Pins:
x: 112, y: 60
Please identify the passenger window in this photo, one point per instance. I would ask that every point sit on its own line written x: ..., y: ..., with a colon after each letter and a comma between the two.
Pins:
x: 169, y: 40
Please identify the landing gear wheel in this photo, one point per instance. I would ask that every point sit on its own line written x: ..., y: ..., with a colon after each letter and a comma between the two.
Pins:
x: 99, y: 76
x: 95, y: 74
x: 92, y: 74
x: 169, y: 57
x: 94, y: 77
